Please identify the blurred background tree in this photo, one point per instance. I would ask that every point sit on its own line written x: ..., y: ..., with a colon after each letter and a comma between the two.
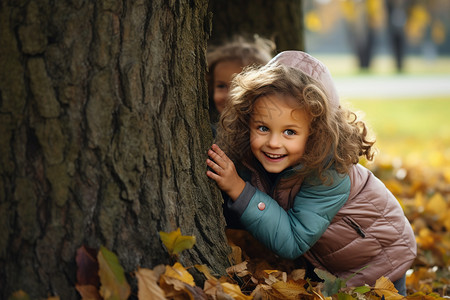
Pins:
x: 367, y: 28
x: 281, y: 21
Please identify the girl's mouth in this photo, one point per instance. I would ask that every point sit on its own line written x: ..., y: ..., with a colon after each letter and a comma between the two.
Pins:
x: 274, y: 156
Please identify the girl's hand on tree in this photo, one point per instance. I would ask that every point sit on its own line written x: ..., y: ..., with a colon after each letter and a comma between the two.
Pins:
x: 224, y: 173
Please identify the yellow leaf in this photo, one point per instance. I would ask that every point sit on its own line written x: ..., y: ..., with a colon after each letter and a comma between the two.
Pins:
x: 175, y: 242
x: 290, y: 289
x: 234, y: 291
x: 384, y: 287
x: 148, y: 287
x: 113, y: 282
x: 180, y: 273
x: 271, y: 271
x: 437, y: 205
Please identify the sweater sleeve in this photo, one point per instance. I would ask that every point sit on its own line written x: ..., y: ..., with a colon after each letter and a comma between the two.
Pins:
x: 291, y: 233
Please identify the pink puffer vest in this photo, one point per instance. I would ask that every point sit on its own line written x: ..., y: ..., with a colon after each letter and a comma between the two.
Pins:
x: 370, y: 231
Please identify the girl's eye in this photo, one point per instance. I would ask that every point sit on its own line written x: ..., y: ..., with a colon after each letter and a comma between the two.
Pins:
x: 263, y: 128
x: 289, y: 132
x: 221, y: 86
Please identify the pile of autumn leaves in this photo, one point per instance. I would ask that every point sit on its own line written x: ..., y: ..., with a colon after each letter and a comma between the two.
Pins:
x: 175, y: 282
x: 423, y: 191
x: 422, y: 186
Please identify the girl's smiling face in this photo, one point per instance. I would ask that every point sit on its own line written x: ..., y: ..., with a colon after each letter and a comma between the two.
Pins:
x: 279, y: 130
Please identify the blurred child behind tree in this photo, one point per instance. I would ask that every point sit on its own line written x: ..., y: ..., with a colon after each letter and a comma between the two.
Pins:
x: 228, y: 59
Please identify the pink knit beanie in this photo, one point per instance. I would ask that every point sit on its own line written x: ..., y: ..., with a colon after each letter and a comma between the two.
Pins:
x: 312, y: 67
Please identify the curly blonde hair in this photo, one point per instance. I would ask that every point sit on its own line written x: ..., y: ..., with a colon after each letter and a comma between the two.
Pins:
x: 337, y: 137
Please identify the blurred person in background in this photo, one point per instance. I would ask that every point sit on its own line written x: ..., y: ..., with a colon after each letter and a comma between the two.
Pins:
x: 363, y: 18
x: 227, y: 60
x: 397, y: 11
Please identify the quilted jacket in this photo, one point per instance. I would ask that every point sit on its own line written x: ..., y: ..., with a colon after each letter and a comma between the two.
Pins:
x: 352, y: 224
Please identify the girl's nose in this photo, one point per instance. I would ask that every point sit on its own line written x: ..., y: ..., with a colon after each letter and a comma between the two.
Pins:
x: 273, y: 141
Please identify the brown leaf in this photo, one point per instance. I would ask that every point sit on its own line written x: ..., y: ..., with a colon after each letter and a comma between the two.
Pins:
x: 87, y: 267
x: 88, y: 292
x: 298, y: 274
x: 148, y: 287
x: 239, y: 269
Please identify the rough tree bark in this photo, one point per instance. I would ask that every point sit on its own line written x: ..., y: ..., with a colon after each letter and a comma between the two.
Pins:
x: 280, y: 20
x: 103, y: 137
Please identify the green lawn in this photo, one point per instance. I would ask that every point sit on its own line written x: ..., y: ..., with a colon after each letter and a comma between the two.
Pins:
x: 409, y: 128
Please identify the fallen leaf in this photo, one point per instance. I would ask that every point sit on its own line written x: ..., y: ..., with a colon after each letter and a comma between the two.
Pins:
x: 235, y: 257
x: 88, y: 292
x: 239, y: 269
x: 385, y: 288
x: 362, y: 289
x: 148, y: 287
x: 290, y: 289
x: 297, y: 274
x: 112, y: 278
x: 234, y: 291
x: 177, y: 271
x: 175, y: 242
x: 331, y: 284
x: 87, y: 267
x: 211, y: 287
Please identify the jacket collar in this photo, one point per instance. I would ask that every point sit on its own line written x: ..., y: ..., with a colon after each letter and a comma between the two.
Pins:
x: 283, y: 189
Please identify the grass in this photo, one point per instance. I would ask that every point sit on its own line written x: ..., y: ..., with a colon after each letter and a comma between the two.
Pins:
x: 418, y: 131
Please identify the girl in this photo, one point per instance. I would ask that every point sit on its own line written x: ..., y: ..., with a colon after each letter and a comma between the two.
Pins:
x: 288, y: 161
x: 226, y: 60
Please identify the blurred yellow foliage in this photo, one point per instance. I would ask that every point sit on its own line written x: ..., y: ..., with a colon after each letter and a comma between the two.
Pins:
x: 438, y: 32
x: 436, y: 205
x: 312, y: 21
x: 417, y: 23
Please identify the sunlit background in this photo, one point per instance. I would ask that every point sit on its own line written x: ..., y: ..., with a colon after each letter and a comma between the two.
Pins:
x: 391, y: 61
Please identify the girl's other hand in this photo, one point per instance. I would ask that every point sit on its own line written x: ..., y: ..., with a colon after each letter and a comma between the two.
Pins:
x: 224, y: 173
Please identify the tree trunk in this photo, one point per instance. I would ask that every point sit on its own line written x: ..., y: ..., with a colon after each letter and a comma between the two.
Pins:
x: 103, y: 138
x: 281, y: 21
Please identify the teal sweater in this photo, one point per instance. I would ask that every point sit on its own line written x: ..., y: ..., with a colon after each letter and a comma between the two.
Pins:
x: 291, y: 233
